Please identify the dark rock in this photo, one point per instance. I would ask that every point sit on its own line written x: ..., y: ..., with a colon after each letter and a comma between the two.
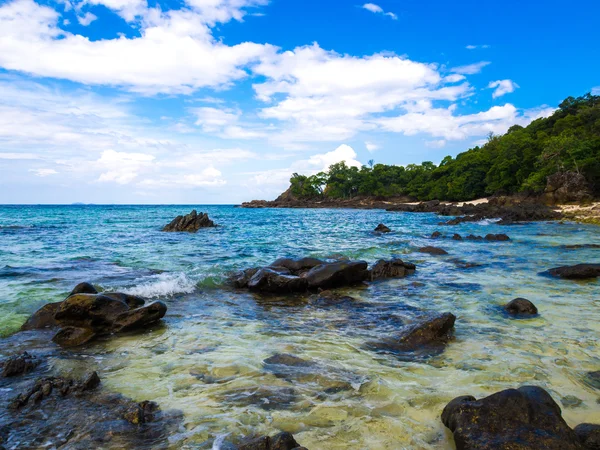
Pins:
x: 496, y: 237
x: 19, y: 364
x: 140, y: 317
x: 427, y: 337
x: 190, y: 223
x: 92, y: 381
x: 240, y: 280
x: 287, y: 360
x: 131, y: 300
x: 42, y: 318
x: 140, y: 413
x: 394, y: 268
x: 593, y: 379
x: 521, y: 306
x: 457, y: 237
x: 74, y: 336
x: 589, y: 435
x: 381, y: 228
x: 330, y: 298
x: 472, y: 237
x: 433, y: 250
x: 297, y: 265
x: 269, y: 280
x: 567, y: 187
x: 341, y: 273
x: 577, y: 272
x: 281, y: 441
x: 284, y: 441
x: 90, y: 310
x: 84, y: 288
x: 436, y: 234
x: 524, y: 418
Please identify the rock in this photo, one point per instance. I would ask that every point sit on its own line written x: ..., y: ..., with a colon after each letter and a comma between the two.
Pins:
x: 131, y: 300
x: 281, y: 441
x: 42, y: 318
x: 19, y: 364
x: 140, y: 317
x: 496, y: 237
x: 593, y: 379
x: 436, y: 234
x: 521, y: 306
x: 74, y: 336
x: 524, y: 418
x: 140, y: 413
x: 241, y: 279
x: 269, y: 280
x: 472, y: 237
x: 427, y: 337
x: 92, y: 381
x: 394, y: 268
x: 433, y: 250
x: 287, y: 360
x: 589, y: 435
x: 297, y: 265
x: 90, y: 310
x: 265, y: 397
x: 330, y: 298
x: 576, y: 272
x: 567, y: 187
x: 457, y: 237
x: 341, y: 273
x: 381, y: 228
x: 190, y: 223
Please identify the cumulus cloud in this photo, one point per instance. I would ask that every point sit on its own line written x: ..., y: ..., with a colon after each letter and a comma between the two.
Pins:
x: 343, y: 153
x: 378, y: 10
x: 470, y: 69
x: 596, y: 90
x: 371, y: 147
x: 86, y: 19
x: 502, y: 87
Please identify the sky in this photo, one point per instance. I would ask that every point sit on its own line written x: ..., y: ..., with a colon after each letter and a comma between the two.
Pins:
x: 220, y: 101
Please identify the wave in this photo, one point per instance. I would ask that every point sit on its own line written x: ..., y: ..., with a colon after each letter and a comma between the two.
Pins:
x: 488, y: 221
x: 163, y: 285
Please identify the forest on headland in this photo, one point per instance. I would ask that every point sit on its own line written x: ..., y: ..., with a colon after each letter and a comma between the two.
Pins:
x: 520, y: 161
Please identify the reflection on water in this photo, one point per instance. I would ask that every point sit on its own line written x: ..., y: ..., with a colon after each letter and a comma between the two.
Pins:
x: 207, y: 360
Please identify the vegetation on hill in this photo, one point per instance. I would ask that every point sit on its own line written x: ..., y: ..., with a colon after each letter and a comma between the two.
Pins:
x: 519, y: 161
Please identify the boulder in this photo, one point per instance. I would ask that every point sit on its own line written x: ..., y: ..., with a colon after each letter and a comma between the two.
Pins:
x: 496, y: 237
x: 74, y: 336
x: 18, y: 365
x: 381, y: 228
x: 281, y: 441
x: 524, y: 418
x: 567, y: 187
x: 433, y: 250
x: 42, y: 318
x: 576, y: 272
x: 472, y: 237
x: 341, y: 273
x: 589, y: 435
x: 84, y: 288
x: 90, y: 310
x: 457, y: 237
x: 436, y: 234
x: 297, y: 265
x: 424, y: 338
x: 190, y: 223
x: 140, y: 317
x: 394, y: 268
x: 521, y: 307
x: 270, y: 280
x: 240, y: 280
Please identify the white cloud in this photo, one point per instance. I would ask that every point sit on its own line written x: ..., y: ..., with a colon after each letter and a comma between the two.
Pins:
x: 378, y: 10
x: 43, y: 172
x: 470, y: 69
x: 596, y: 90
x: 225, y: 123
x: 439, y: 143
x: 502, y: 87
x: 371, y: 147
x: 86, y: 19
x: 32, y: 42
x: 127, y: 9
x: 475, y: 47
x: 343, y: 153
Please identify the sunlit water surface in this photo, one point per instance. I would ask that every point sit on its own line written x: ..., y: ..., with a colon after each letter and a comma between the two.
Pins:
x: 207, y: 358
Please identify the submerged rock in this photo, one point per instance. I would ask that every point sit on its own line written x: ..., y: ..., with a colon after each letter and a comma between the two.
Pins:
x: 394, y: 268
x: 381, y: 228
x: 433, y: 250
x: 524, y: 418
x: 18, y: 365
x: 190, y: 223
x: 496, y: 237
x: 576, y: 272
x: 436, y: 234
x: 472, y: 237
x: 457, y: 237
x: 281, y: 441
x: 265, y: 397
x: 420, y: 339
x: 521, y: 306
x: 83, y: 315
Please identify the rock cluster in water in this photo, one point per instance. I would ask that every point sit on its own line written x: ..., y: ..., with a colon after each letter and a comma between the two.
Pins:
x: 501, y: 237
x: 288, y: 275
x: 190, y: 223
x: 576, y: 272
x: 524, y: 418
x: 86, y: 314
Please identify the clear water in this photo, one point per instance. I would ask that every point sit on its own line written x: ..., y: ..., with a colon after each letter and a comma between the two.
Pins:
x: 207, y: 358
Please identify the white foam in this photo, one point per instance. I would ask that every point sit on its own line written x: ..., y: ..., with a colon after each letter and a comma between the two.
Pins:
x: 488, y: 221
x: 219, y: 441
x: 163, y: 285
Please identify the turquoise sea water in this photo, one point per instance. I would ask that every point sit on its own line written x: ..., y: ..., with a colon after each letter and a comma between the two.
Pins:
x: 207, y: 358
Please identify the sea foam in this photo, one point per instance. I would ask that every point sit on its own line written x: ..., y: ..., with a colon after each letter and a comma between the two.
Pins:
x: 163, y: 285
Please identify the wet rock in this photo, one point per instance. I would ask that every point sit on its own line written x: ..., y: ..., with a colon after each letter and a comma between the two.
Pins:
x: 140, y: 413
x: 472, y: 237
x: 281, y: 441
x: 74, y: 336
x: 90, y: 310
x: 593, y: 379
x: 527, y: 416
x: 589, y: 435
x: 18, y: 365
x: 297, y: 265
x: 433, y: 250
x: 457, y: 237
x: 140, y: 317
x: 330, y: 298
x: 265, y: 397
x: 394, y: 268
x: 287, y: 360
x: 336, y: 274
x: 421, y: 339
x: 570, y: 401
x: 84, y: 288
x: 496, y: 237
x: 436, y: 234
x: 132, y: 301
x: 521, y: 306
x: 269, y: 280
x: 576, y: 272
x: 92, y: 381
x: 42, y: 318
x: 190, y: 223
x: 240, y: 279
x: 381, y: 228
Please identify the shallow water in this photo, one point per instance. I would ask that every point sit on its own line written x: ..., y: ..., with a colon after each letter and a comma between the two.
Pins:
x: 207, y: 357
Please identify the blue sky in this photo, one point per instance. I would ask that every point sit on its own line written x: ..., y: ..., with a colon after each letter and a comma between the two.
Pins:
x: 219, y: 101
